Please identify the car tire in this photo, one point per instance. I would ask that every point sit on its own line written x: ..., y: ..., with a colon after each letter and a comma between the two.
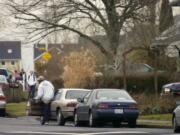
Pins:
x: 92, y: 121
x: 132, y: 123
x: 76, y: 121
x: 176, y: 128
x: 116, y: 123
x: 60, y: 118
x: 2, y: 113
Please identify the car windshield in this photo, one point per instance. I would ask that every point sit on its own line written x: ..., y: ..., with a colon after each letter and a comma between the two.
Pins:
x: 3, y: 79
x: 75, y: 94
x: 3, y: 72
x: 113, y: 95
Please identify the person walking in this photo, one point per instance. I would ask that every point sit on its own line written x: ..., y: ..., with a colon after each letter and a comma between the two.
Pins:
x: 45, y: 94
x: 31, y: 80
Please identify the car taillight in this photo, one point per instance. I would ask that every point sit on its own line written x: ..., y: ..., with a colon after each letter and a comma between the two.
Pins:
x: 133, y: 106
x: 2, y: 98
x: 102, y: 106
x: 71, y: 104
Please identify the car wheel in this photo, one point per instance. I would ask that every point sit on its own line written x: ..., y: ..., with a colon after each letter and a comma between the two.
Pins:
x: 60, y: 118
x: 2, y: 113
x: 76, y: 121
x: 116, y: 123
x: 92, y: 122
x: 175, y: 126
x: 132, y: 123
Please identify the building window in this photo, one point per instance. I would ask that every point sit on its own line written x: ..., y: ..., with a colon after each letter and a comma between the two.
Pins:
x: 12, y: 63
x: 3, y: 63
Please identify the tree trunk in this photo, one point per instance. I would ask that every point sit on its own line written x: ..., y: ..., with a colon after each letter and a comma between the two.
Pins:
x: 166, y: 16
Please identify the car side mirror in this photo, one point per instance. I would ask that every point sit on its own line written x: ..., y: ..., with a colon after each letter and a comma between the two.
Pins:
x: 80, y: 100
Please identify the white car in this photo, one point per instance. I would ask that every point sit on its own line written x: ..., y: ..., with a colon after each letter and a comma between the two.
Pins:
x: 65, y: 101
x: 2, y: 103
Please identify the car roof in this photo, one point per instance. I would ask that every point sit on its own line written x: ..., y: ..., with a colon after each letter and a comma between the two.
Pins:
x: 108, y: 89
x: 66, y: 89
x: 4, y: 68
x: 3, y: 76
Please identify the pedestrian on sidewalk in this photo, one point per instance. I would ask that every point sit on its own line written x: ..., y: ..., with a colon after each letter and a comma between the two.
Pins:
x: 45, y: 94
x: 31, y: 80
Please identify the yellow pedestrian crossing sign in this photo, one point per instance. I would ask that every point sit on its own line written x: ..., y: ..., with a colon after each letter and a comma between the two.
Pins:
x: 46, y: 56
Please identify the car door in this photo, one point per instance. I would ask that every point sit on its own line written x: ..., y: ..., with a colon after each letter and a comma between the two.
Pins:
x: 54, y: 104
x: 178, y: 114
x: 83, y: 108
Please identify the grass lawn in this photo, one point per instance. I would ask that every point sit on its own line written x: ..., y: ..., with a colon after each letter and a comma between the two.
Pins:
x: 16, y: 109
x: 166, y: 117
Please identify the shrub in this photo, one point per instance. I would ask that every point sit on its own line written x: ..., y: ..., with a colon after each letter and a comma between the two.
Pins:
x: 79, y: 69
x: 148, y: 104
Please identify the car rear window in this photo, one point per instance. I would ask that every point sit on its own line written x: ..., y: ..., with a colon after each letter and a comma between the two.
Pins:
x: 75, y: 94
x: 3, y: 72
x: 113, y: 95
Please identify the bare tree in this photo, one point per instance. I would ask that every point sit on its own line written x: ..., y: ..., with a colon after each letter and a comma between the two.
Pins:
x: 80, y: 17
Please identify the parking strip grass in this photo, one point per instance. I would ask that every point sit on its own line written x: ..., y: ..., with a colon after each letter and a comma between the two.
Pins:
x: 16, y: 109
x: 162, y: 117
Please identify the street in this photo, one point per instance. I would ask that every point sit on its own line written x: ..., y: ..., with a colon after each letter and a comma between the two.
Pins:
x: 31, y: 126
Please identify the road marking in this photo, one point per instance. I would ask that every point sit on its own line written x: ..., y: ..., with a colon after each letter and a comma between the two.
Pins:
x: 97, y: 133
x: 47, y: 133
x: 116, y: 132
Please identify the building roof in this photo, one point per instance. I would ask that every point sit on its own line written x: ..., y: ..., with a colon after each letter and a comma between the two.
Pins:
x: 10, y: 50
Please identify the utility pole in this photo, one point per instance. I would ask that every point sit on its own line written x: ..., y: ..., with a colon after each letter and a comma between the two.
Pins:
x: 46, y: 25
x: 178, y: 59
x: 155, y: 73
x: 124, y: 68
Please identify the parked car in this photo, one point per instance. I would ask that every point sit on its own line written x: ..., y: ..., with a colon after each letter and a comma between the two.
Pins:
x: 5, y: 72
x: 3, y: 82
x: 171, y: 89
x: 106, y: 105
x: 2, y: 103
x: 62, y: 108
x: 176, y: 118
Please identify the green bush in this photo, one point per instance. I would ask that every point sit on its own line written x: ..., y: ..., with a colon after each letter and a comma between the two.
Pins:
x: 148, y: 104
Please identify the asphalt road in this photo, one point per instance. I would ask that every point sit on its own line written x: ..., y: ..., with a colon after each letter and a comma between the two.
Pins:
x: 30, y: 126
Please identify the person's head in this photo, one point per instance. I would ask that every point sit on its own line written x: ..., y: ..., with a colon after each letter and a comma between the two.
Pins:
x: 40, y: 79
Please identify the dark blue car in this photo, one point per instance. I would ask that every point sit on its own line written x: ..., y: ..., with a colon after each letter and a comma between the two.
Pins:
x: 106, y: 105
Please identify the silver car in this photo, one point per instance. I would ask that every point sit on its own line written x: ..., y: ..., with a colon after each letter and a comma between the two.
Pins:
x: 176, y: 118
x: 62, y: 108
x: 2, y: 103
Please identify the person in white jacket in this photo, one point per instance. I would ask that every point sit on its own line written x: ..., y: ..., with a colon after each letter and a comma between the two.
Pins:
x: 45, y: 93
x: 31, y: 80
